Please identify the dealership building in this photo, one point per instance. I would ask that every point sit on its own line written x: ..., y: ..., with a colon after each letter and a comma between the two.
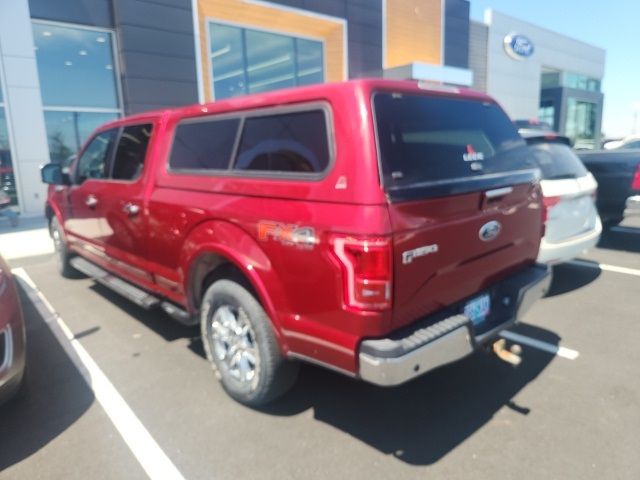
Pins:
x: 68, y: 66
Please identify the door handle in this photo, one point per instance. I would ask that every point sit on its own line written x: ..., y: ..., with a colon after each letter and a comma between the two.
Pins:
x: 131, y: 209
x: 91, y: 201
x: 498, y: 192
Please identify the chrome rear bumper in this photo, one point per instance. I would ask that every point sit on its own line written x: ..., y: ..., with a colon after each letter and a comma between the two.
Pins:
x: 398, y: 359
x: 632, y: 206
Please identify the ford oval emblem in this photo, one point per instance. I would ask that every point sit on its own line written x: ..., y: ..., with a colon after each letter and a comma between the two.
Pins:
x: 518, y: 46
x: 489, y: 231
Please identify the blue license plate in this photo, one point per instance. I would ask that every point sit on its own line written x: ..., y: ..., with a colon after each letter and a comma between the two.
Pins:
x: 478, y: 309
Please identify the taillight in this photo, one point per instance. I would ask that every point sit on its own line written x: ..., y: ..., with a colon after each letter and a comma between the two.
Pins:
x: 549, y: 202
x: 635, y: 183
x: 367, y: 269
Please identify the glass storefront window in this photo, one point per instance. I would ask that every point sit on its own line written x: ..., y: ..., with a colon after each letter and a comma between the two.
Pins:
x: 581, y: 122
x: 270, y: 61
x: 581, y: 82
x: 547, y: 112
x: 75, y: 66
x: 310, y: 62
x: 77, y: 73
x: 550, y: 79
x: 250, y: 61
x: 7, y: 179
x: 67, y: 131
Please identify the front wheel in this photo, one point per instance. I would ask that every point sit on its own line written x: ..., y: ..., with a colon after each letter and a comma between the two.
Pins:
x: 242, y: 347
x: 63, y: 256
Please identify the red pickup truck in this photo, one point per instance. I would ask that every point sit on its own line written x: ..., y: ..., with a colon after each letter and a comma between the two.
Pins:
x: 378, y: 228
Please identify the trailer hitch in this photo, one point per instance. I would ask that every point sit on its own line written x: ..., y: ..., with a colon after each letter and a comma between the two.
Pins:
x: 510, y: 355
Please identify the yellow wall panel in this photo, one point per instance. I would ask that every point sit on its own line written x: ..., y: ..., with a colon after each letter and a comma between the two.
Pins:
x: 250, y: 15
x: 413, y: 32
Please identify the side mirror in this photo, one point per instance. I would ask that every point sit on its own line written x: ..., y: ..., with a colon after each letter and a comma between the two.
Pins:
x: 52, y: 174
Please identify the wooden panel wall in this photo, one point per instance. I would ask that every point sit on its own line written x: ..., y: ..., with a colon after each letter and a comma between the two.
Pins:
x: 272, y: 18
x: 413, y: 32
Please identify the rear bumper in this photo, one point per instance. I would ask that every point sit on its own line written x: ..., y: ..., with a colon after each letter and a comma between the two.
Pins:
x: 632, y: 206
x: 552, y: 253
x: 433, y: 343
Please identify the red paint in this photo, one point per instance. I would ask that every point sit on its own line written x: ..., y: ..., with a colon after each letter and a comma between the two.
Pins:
x: 10, y: 310
x: 635, y: 183
x: 253, y: 223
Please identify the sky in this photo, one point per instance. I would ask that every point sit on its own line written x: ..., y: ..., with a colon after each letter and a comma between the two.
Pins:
x: 613, y: 25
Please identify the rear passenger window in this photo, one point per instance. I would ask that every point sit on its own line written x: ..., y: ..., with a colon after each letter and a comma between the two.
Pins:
x: 203, y: 144
x: 290, y: 142
x: 131, y: 151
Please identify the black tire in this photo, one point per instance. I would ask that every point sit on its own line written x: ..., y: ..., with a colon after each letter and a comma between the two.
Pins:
x: 273, y: 375
x: 16, y: 388
x: 63, y: 256
x: 612, y: 222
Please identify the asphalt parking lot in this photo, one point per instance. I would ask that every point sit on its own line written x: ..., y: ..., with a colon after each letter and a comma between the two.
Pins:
x: 563, y: 413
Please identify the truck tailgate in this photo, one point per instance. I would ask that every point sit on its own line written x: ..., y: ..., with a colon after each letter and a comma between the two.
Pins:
x: 440, y: 257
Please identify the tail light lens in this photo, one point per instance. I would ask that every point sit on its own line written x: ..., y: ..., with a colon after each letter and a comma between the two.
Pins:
x: 367, y: 269
x: 549, y: 203
x: 635, y: 183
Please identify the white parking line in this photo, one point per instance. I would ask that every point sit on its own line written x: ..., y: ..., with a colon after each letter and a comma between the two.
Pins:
x: 148, y: 453
x: 607, y: 268
x: 540, y: 345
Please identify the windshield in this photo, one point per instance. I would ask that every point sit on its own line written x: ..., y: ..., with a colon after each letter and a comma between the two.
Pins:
x: 557, y: 161
x: 433, y: 139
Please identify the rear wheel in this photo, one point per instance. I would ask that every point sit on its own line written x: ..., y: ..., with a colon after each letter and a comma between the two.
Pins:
x: 63, y: 256
x: 242, y: 347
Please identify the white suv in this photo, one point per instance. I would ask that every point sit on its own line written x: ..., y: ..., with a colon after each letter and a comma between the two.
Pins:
x: 569, y: 191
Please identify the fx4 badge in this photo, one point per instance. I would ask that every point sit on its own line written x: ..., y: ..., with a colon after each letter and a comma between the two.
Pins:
x: 489, y: 231
x: 409, y: 255
x: 291, y: 235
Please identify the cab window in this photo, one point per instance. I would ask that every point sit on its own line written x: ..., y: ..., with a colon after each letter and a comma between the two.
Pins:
x: 293, y: 142
x: 131, y: 152
x: 93, y: 162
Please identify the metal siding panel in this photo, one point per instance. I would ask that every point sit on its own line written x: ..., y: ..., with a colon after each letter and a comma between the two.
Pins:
x: 152, y: 15
x: 150, y: 40
x: 160, y: 92
x: 157, y: 56
x: 456, y: 34
x: 336, y: 8
x: 478, y: 37
x: 96, y: 13
x: 365, y: 35
x: 365, y: 61
x: 368, y: 15
x: 133, y: 108
x: 152, y: 66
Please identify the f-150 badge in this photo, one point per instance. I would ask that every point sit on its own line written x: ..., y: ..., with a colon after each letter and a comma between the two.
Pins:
x: 409, y: 255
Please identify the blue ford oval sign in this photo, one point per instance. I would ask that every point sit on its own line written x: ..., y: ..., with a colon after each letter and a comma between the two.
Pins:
x: 489, y: 231
x: 518, y: 46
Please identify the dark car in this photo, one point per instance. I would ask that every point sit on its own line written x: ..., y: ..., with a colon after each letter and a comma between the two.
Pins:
x: 12, y: 335
x: 618, y: 176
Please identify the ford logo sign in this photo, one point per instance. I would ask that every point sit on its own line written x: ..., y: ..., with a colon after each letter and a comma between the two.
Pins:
x: 518, y: 46
x: 489, y: 231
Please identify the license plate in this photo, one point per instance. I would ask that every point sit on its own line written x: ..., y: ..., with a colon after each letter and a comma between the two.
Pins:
x: 478, y: 309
